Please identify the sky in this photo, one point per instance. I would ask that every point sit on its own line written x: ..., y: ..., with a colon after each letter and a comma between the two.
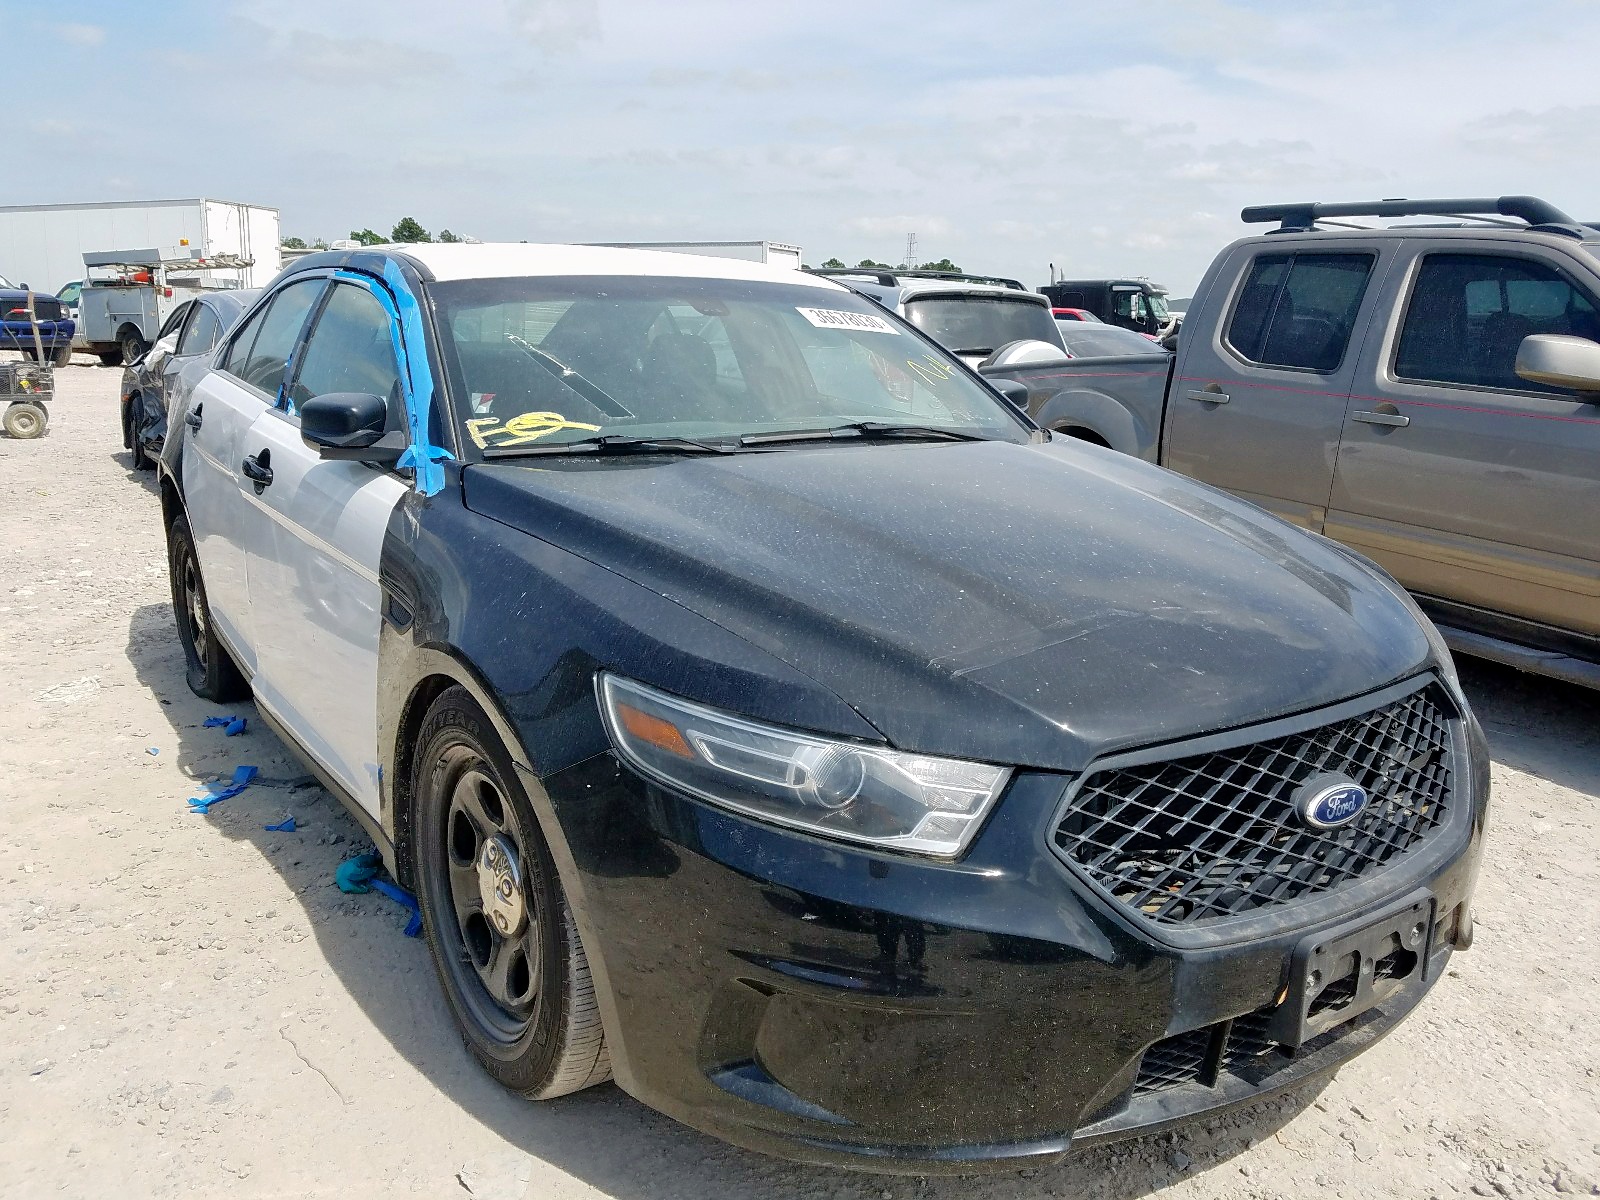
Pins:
x: 1107, y: 138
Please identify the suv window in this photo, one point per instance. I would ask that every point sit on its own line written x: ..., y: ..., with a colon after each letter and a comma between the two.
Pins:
x: 980, y: 324
x: 201, y: 334
x: 261, y: 350
x: 1299, y: 310
x: 1468, y: 314
x: 351, y: 349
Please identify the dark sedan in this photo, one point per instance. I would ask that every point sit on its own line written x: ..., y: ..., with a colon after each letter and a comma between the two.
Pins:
x: 192, y: 330
x: 770, y: 717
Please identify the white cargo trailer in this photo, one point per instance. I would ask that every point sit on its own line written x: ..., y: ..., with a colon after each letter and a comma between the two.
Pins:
x: 778, y: 254
x: 44, y: 244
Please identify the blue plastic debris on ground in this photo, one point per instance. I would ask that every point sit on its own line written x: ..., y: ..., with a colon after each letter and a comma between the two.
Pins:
x: 220, y: 791
x: 152, y: 750
x: 360, y: 874
x: 284, y: 826
x: 229, y: 724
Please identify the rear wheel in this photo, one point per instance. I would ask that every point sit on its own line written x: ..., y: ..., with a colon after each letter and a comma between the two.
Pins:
x: 503, y: 938
x: 209, y: 670
x: 24, y: 420
x: 132, y: 347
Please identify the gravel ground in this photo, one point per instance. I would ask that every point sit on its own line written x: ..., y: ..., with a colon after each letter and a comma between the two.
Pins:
x: 190, y: 1008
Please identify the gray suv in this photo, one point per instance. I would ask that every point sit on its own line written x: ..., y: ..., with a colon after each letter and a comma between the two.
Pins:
x: 1427, y: 393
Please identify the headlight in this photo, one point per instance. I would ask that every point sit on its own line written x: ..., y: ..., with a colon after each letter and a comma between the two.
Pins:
x: 837, y: 789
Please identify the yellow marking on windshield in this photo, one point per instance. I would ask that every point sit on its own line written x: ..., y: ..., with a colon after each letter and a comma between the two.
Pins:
x: 930, y: 369
x: 521, y: 429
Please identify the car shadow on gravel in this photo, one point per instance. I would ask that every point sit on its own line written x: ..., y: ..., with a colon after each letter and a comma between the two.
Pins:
x: 1542, y: 726
x: 600, y: 1136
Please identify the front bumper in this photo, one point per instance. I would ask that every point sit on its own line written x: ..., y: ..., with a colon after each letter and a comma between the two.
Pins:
x: 838, y: 1005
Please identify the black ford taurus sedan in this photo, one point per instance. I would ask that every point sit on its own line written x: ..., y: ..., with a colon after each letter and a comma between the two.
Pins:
x: 769, y: 717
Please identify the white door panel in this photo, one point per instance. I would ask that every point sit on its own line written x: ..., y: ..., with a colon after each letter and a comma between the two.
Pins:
x: 313, y: 579
x: 211, y: 484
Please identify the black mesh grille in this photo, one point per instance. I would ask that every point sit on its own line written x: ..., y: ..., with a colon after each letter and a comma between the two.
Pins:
x: 44, y: 309
x: 1174, y: 1062
x: 1213, y: 836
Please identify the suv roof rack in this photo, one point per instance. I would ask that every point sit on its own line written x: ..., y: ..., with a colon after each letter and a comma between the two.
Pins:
x: 891, y: 277
x: 1539, y: 214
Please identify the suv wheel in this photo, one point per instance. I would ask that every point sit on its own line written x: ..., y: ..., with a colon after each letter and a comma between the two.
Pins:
x: 209, y: 670
x: 503, y: 938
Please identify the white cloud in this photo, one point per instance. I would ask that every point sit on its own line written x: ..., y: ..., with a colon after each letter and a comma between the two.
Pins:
x: 82, y: 35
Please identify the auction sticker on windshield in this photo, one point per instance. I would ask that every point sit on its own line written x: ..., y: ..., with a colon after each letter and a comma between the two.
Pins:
x: 832, y: 318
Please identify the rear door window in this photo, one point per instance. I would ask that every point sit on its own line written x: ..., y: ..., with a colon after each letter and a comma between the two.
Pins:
x: 201, y: 334
x: 1468, y: 313
x: 175, y: 321
x: 1299, y: 310
x: 261, y: 351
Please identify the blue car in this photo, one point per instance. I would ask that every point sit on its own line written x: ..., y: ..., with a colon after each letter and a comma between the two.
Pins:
x: 16, y: 331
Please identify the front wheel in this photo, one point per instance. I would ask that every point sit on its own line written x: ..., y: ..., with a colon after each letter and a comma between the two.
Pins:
x: 208, y: 668
x: 63, y: 355
x: 141, y: 460
x: 503, y: 938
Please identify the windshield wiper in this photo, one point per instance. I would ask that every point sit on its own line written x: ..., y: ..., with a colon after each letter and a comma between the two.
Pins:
x: 613, y: 443
x: 975, y: 350
x: 868, y: 430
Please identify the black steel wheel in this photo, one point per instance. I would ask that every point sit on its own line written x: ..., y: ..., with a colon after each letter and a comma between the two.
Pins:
x: 209, y: 670
x: 503, y: 938
x: 63, y: 355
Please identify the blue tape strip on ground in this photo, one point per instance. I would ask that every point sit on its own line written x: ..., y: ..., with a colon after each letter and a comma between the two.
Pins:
x: 220, y: 792
x: 401, y: 896
x: 355, y: 875
x: 230, y: 725
x: 416, y: 379
x: 284, y: 826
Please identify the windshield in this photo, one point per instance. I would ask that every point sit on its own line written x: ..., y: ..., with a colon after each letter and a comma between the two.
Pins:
x: 1105, y: 341
x: 546, y: 360
x: 6, y: 283
x: 970, y: 324
x: 1158, y: 306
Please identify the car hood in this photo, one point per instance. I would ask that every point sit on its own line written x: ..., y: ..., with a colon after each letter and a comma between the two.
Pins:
x: 1031, y: 604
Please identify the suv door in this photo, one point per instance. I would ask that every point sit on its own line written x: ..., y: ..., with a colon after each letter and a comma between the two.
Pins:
x: 218, y: 498
x: 1256, y: 408
x: 314, y: 578
x: 1466, y: 482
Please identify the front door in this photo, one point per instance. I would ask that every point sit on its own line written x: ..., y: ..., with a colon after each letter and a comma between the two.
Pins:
x: 1466, y: 482
x: 314, y: 578
x: 1258, y: 406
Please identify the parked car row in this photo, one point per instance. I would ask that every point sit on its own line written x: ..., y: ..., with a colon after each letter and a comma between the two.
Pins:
x: 771, y: 716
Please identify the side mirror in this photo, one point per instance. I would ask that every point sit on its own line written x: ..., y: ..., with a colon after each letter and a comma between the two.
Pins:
x: 1558, y: 360
x: 350, y: 425
x: 1015, y: 392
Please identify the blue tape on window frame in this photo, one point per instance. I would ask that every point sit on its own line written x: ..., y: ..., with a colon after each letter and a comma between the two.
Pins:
x: 416, y: 378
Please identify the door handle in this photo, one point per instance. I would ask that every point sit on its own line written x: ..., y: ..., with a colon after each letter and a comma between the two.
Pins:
x: 192, y: 417
x: 256, y: 469
x: 1394, y: 420
x: 1208, y: 397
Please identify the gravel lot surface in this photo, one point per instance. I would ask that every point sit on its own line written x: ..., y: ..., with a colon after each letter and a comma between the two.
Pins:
x: 188, y: 1006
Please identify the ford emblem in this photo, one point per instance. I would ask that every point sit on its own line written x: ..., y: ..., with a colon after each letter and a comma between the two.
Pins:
x: 1330, y: 801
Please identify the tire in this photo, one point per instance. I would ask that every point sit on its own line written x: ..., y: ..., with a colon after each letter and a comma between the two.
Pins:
x: 525, y: 1003
x: 24, y: 420
x: 62, y: 357
x: 209, y: 670
x: 132, y: 346
x: 109, y: 358
x: 138, y: 458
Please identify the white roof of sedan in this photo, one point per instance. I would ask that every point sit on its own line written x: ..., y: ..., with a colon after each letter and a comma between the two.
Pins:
x: 501, y: 260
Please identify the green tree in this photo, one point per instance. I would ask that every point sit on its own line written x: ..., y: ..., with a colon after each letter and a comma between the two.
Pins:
x: 866, y: 264
x: 320, y: 244
x: 446, y: 236
x: 293, y: 243
x: 944, y: 264
x: 367, y: 238
x: 407, y: 230
x: 833, y: 264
